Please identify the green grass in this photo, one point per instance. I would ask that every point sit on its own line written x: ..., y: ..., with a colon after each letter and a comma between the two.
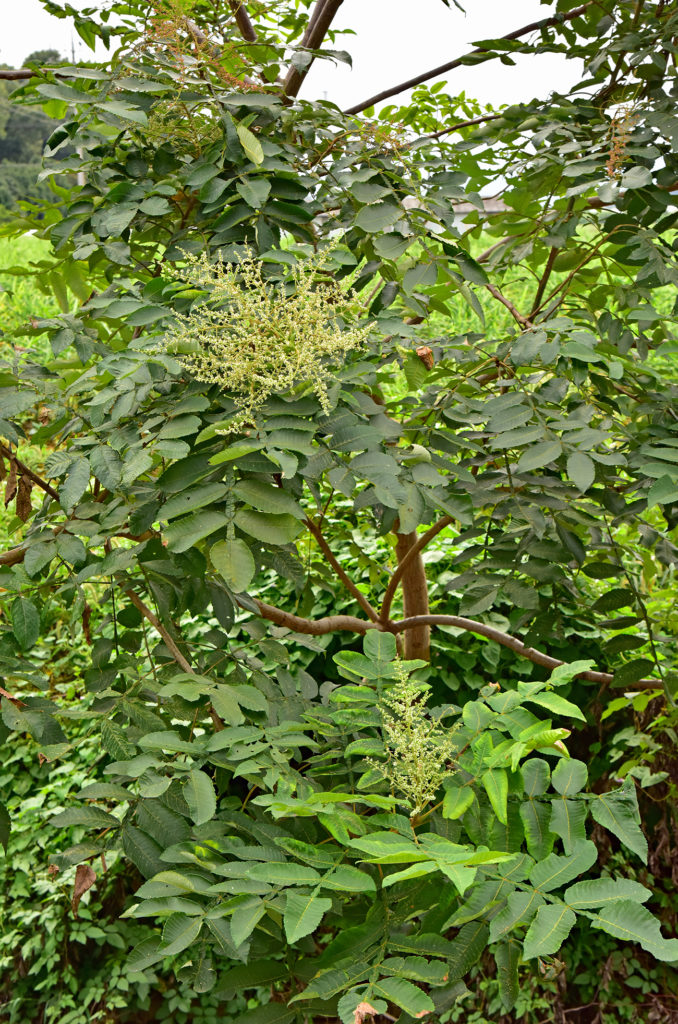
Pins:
x: 20, y: 296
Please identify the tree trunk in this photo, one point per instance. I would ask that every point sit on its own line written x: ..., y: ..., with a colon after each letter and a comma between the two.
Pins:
x: 417, y: 641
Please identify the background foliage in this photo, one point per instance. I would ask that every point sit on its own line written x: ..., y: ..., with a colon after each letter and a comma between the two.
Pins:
x: 192, y: 694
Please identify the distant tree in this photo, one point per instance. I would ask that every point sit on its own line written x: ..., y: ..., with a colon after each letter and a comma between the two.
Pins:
x: 44, y: 57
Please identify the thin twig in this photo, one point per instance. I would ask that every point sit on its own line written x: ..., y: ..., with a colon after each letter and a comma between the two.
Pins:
x: 487, y: 53
x: 397, y: 574
x: 455, y: 127
x: 524, y: 321
x: 159, y: 628
x: 346, y: 580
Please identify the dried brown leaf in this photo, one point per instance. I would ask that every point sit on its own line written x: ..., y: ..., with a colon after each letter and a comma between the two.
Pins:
x: 85, y: 877
x: 23, y: 498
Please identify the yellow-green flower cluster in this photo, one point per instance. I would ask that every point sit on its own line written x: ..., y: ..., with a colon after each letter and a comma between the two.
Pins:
x: 420, y: 750
x: 254, y: 339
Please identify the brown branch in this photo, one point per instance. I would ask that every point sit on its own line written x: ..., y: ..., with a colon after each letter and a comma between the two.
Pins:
x: 314, y: 627
x: 422, y: 541
x: 25, y: 471
x: 18, y: 74
x: 313, y: 38
x: 334, y: 623
x: 485, y: 53
x: 242, y: 20
x: 159, y: 628
x: 513, y: 643
x: 348, y: 583
x: 456, y: 127
x: 523, y: 321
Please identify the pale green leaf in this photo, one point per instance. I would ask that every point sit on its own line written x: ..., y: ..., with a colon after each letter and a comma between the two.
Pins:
x: 634, y: 923
x: 245, y: 918
x: 250, y: 143
x: 617, y: 811
x: 600, y: 892
x: 554, y: 871
x: 495, y: 782
x: 270, y: 529
x: 303, y: 914
x: 404, y: 994
x: 234, y: 561
x: 199, y: 794
x: 548, y: 931
x: 569, y: 776
x: 179, y: 932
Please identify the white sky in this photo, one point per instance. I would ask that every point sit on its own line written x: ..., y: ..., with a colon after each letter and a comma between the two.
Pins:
x: 397, y: 39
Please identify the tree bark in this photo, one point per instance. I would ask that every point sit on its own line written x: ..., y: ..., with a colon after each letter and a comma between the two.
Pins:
x: 417, y: 641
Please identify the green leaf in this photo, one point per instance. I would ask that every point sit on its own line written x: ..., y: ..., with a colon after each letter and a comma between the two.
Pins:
x: 142, y: 851
x: 570, y: 776
x: 457, y: 800
x: 144, y: 955
x: 245, y: 918
x: 404, y: 994
x: 25, y: 620
x: 164, y: 825
x: 250, y: 143
x: 191, y: 500
x: 554, y: 871
x: 234, y: 561
x: 345, y: 878
x: 278, y: 873
x: 600, y: 892
x: 539, y: 455
x: 271, y: 1013
x: 466, y: 949
x: 183, y: 533
x: 536, y: 774
x: 179, y: 932
x: 303, y: 914
x: 535, y: 816
x: 557, y: 705
x: 267, y: 498
x: 617, y: 811
x: 198, y: 793
x: 93, y: 817
x: 568, y: 818
x: 630, y: 921
x: 75, y: 484
x: 378, y: 217
x: 581, y: 470
x: 5, y: 827
x: 548, y: 931
x: 495, y: 782
x: 636, y: 177
x: 255, y: 191
x: 507, y: 957
x: 270, y: 529
x: 106, y: 466
x: 420, y: 276
x: 380, y: 646
x: 519, y: 910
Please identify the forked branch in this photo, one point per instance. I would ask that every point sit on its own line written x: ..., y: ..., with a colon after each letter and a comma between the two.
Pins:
x: 315, y: 530
x: 397, y: 575
x: 318, y: 26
